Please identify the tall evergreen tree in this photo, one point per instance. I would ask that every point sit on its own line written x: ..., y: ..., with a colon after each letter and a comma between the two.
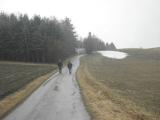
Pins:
x: 93, y: 43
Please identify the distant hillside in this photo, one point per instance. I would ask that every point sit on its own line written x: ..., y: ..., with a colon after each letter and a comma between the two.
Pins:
x: 150, y: 53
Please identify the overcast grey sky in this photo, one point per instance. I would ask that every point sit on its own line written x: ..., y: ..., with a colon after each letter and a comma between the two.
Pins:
x: 127, y: 23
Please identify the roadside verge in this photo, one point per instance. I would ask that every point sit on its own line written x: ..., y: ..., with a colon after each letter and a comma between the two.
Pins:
x: 103, y: 103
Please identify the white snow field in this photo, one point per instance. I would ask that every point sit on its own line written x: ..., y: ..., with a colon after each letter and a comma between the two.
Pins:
x: 114, y: 54
x: 57, y: 99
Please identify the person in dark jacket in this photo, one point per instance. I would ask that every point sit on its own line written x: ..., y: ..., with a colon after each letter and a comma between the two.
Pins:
x: 60, y: 65
x: 69, y: 67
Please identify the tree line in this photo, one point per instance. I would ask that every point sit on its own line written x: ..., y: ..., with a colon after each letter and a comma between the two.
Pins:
x: 41, y: 39
x: 93, y: 43
x: 35, y: 39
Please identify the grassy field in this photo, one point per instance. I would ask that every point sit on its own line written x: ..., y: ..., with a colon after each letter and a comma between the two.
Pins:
x: 18, y: 81
x: 127, y: 89
x: 14, y: 76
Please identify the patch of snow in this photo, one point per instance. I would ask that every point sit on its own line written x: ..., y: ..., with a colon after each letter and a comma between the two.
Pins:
x: 114, y: 54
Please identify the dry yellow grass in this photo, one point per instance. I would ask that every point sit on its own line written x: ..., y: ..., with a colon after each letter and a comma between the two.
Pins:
x: 11, y: 101
x: 104, y: 104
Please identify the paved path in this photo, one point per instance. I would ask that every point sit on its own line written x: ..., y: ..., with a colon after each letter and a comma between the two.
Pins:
x: 57, y: 99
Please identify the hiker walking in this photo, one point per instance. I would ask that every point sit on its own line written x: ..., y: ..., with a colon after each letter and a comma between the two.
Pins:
x: 69, y: 67
x: 60, y: 65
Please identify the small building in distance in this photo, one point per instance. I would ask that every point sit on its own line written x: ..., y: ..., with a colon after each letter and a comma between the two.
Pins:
x: 80, y: 50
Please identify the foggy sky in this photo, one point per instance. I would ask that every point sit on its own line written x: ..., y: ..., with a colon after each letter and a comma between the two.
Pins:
x: 127, y: 23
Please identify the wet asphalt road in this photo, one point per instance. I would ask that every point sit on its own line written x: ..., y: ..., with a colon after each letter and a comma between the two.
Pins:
x: 57, y: 99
